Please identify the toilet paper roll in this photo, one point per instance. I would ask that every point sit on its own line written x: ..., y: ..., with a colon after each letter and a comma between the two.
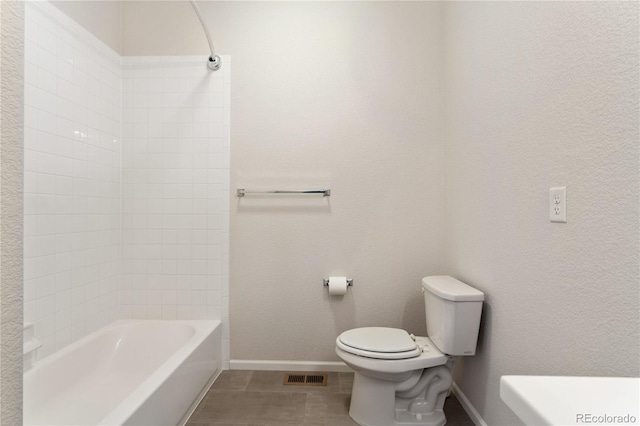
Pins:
x: 337, y: 286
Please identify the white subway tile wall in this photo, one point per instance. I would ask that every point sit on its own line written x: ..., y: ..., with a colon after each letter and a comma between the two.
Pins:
x: 126, y: 184
x: 175, y: 190
x: 72, y: 189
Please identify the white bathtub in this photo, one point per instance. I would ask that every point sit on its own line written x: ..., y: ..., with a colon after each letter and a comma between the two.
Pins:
x: 128, y: 373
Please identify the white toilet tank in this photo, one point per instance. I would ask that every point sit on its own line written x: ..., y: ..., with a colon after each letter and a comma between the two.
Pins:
x: 453, y: 311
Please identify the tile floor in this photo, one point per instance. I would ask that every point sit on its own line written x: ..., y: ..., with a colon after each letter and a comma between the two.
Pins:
x: 259, y: 398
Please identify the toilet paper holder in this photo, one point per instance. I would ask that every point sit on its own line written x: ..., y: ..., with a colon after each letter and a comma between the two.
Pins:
x: 325, y: 282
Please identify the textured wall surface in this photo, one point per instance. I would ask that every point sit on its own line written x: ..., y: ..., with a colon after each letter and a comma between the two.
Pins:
x: 315, y: 113
x: 11, y: 134
x: 338, y: 94
x: 540, y: 95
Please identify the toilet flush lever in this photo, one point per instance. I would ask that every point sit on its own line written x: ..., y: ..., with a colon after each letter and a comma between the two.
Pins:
x: 412, y: 337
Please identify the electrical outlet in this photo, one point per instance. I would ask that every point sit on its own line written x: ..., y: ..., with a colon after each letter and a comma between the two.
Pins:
x: 558, y: 204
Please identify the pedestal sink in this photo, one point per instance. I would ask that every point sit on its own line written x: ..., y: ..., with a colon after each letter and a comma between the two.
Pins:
x: 561, y: 400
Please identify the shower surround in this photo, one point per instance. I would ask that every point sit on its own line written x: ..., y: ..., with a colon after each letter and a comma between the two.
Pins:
x: 175, y: 188
x: 126, y: 184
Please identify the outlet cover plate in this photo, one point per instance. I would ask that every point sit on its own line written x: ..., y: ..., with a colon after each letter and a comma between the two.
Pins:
x: 558, y: 204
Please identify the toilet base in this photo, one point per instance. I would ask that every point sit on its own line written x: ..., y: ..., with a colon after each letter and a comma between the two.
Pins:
x: 435, y: 418
x: 374, y: 403
x: 405, y: 418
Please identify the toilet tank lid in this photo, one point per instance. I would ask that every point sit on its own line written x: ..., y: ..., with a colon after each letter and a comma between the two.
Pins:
x: 449, y: 288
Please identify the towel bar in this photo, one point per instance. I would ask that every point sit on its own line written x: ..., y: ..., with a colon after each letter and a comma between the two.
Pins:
x: 241, y: 192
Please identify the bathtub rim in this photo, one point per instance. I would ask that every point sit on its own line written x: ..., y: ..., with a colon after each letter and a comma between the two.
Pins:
x: 203, y: 329
x: 123, y: 411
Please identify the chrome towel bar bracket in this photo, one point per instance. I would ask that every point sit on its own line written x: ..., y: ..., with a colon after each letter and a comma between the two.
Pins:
x: 241, y: 192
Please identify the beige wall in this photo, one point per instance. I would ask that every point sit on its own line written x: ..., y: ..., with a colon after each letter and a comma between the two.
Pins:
x: 11, y: 160
x: 156, y: 28
x: 101, y: 18
x: 348, y: 95
x: 338, y: 94
x: 541, y: 95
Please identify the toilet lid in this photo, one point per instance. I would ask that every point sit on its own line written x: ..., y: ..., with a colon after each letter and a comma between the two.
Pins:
x: 379, y: 342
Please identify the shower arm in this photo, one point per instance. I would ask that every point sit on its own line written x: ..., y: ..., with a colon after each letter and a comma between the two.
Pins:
x: 215, y: 62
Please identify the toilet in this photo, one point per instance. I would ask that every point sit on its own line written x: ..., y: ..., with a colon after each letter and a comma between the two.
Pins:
x: 402, y: 379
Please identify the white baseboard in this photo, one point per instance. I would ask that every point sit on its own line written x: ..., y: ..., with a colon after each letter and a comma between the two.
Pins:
x: 241, y: 364
x: 468, y: 407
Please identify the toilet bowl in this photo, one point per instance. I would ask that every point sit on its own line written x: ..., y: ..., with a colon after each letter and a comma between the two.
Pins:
x: 401, y: 379
x: 398, y: 383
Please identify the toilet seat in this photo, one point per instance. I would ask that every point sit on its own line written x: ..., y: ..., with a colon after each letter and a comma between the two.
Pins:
x: 379, y: 343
